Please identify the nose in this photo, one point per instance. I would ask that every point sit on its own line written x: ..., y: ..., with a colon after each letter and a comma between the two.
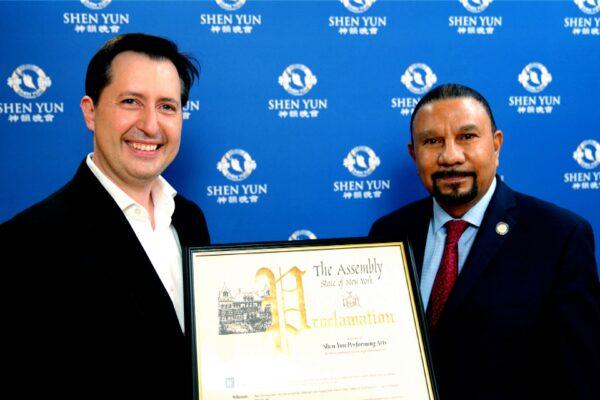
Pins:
x: 148, y: 122
x: 452, y: 154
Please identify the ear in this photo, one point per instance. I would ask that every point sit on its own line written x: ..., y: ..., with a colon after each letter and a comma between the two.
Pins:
x: 411, y: 150
x: 88, y: 110
x: 498, y: 139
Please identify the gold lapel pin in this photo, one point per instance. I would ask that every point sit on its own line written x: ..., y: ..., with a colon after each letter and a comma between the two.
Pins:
x: 502, y: 228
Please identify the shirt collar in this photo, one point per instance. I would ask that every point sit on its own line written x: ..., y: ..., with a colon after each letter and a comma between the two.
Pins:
x: 162, y: 193
x: 474, y: 216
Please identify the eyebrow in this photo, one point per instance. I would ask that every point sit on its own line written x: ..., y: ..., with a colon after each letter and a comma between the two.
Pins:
x: 469, y: 127
x: 425, y: 133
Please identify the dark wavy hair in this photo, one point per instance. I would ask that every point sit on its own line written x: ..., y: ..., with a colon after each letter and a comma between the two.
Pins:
x: 99, y: 69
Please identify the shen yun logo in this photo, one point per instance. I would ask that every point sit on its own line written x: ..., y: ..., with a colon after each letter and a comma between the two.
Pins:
x: 475, y: 6
x: 584, y: 26
x: 590, y: 7
x: 236, y: 165
x: 86, y: 22
x: 475, y: 24
x: 534, y: 77
x: 357, y: 6
x: 418, y: 78
x: 297, y: 80
x: 302, y: 234
x: 361, y: 161
x: 357, y: 25
x: 230, y: 5
x: 30, y: 82
x: 231, y: 23
x: 587, y: 156
x: 96, y: 5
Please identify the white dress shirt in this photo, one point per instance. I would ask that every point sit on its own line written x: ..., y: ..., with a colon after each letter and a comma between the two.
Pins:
x: 161, y: 243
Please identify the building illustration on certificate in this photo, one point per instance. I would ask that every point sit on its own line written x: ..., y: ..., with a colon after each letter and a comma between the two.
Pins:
x: 241, y: 311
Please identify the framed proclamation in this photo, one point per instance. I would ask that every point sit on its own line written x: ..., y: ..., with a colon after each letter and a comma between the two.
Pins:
x: 306, y: 320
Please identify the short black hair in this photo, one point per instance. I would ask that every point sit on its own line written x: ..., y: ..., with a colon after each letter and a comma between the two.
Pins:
x: 99, y: 69
x: 452, y: 91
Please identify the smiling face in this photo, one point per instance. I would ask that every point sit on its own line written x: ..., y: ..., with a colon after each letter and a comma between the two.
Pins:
x: 455, y: 152
x: 137, y: 120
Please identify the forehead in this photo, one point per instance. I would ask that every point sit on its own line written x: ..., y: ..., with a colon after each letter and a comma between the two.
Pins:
x: 137, y: 68
x: 453, y: 112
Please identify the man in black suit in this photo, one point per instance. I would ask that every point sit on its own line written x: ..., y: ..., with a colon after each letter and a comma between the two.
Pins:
x: 509, y: 282
x: 94, y: 306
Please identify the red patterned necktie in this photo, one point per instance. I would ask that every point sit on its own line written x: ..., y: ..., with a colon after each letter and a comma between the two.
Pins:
x: 448, y: 271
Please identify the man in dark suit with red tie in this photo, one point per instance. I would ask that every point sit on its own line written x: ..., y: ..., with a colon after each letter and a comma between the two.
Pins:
x: 509, y: 282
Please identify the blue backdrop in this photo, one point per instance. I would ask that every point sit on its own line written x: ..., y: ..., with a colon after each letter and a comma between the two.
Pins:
x: 299, y: 124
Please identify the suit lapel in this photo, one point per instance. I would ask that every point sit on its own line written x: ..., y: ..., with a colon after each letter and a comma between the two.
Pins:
x: 487, y: 243
x: 120, y: 255
x: 183, y: 225
x: 418, y: 235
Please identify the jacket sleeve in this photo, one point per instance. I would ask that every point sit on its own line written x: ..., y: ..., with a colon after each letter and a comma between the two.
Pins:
x: 577, y: 314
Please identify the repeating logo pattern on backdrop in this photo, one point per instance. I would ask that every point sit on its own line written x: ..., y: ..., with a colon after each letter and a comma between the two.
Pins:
x: 94, y: 22
x: 356, y: 25
x: 361, y: 161
x: 534, y: 78
x: 418, y: 78
x: 231, y: 23
x: 586, y: 25
x: 475, y: 24
x: 297, y: 80
x: 30, y: 82
x: 237, y: 165
x: 587, y: 156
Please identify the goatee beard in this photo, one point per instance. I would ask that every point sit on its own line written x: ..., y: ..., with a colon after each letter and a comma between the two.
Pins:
x: 454, y: 198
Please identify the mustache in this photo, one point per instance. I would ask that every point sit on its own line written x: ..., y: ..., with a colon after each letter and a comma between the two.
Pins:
x: 452, y: 174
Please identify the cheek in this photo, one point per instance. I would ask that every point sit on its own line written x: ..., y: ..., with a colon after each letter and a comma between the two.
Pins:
x: 173, y: 133
x: 486, y: 163
x: 115, y: 127
x: 426, y: 163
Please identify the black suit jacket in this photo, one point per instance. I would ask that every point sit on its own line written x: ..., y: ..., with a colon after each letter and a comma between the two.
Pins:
x: 523, y: 320
x: 87, y: 315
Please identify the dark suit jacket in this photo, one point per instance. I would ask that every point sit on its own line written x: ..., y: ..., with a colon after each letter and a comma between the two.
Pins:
x: 87, y: 315
x: 523, y: 320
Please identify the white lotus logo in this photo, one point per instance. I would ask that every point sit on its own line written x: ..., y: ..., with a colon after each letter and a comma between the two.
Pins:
x: 236, y: 165
x: 29, y: 81
x: 535, y: 77
x: 297, y: 79
x: 361, y: 161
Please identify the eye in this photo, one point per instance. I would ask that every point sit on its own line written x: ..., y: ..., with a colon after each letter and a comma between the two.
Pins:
x: 430, y: 141
x: 468, y: 136
x: 171, y: 108
x: 129, y: 101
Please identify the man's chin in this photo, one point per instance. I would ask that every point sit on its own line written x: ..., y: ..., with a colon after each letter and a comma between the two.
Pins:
x: 454, y: 195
